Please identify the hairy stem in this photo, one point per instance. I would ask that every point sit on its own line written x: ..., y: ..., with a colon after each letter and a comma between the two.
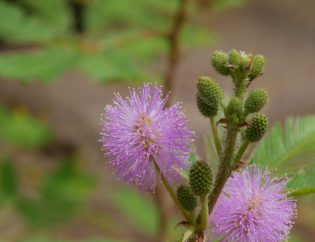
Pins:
x: 241, y: 151
x: 170, y: 191
x: 203, y: 215
x: 216, y: 137
x: 224, y: 170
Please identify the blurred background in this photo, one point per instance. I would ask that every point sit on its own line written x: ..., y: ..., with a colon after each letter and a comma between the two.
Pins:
x: 61, y: 61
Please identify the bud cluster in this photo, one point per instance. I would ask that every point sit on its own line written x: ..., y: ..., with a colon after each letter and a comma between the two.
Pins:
x: 242, y: 120
x: 239, y: 111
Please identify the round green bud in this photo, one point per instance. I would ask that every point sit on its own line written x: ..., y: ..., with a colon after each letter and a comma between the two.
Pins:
x: 205, y: 109
x: 235, y: 58
x: 219, y: 62
x: 257, y: 127
x: 244, y: 64
x: 256, y: 100
x: 209, y: 96
x: 234, y: 110
x: 186, y: 198
x: 200, y: 178
x: 257, y: 67
x: 234, y: 106
x: 209, y: 90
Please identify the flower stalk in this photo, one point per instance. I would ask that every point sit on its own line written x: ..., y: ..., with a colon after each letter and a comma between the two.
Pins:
x: 170, y: 191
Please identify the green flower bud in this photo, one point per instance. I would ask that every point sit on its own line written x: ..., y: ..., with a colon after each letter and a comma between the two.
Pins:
x: 186, y: 198
x: 209, y: 90
x: 240, y: 62
x: 200, y: 178
x: 257, y: 127
x: 209, y: 96
x: 235, y: 58
x: 256, y: 100
x: 234, y: 106
x: 205, y: 109
x: 257, y: 68
x: 234, y: 110
x: 219, y: 62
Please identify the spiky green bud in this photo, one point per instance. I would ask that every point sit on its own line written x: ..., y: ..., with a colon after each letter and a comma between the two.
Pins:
x: 205, y: 109
x: 200, y: 178
x: 257, y: 67
x: 234, y: 110
x: 209, y: 96
x: 234, y: 58
x: 234, y: 106
x: 256, y: 100
x: 209, y: 89
x: 257, y: 127
x: 240, y: 63
x: 186, y: 198
x: 219, y: 62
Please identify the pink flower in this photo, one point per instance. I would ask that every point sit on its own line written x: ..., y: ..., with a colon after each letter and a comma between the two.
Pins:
x: 253, y: 207
x: 138, y: 129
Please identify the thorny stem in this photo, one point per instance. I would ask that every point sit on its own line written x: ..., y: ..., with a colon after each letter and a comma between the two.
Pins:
x: 216, y: 136
x: 170, y: 190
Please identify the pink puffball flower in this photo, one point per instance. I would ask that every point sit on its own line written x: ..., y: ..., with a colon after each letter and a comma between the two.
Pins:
x: 139, y: 128
x: 253, y: 207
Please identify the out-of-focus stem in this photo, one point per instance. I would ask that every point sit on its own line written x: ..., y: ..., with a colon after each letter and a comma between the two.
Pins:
x: 170, y: 191
x: 241, y: 151
x: 216, y: 137
x: 224, y: 170
x: 203, y: 215
x: 173, y: 38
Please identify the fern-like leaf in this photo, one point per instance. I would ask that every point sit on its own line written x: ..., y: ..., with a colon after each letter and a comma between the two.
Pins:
x: 302, y: 183
x: 289, y: 147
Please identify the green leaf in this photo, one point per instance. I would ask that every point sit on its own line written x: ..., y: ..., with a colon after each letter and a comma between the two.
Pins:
x: 60, y: 196
x: 111, y: 66
x: 16, y: 26
x: 141, y: 211
x: 194, y: 35
x: 302, y: 183
x: 55, y: 13
x: 45, y: 64
x: 110, y: 14
x: 289, y: 147
x: 8, y: 179
x: 22, y: 130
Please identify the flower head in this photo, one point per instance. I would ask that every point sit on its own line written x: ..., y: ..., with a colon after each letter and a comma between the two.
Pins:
x: 253, y: 207
x: 137, y: 130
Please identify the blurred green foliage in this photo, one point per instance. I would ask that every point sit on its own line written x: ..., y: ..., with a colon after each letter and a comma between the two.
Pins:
x: 290, y: 149
x: 59, y: 195
x: 140, y: 210
x: 107, y: 40
x: 22, y: 130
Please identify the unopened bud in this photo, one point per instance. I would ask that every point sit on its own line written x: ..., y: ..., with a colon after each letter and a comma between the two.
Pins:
x: 257, y: 127
x: 200, y: 178
x: 256, y: 100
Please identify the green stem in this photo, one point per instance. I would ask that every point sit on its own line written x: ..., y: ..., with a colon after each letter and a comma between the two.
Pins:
x: 225, y: 166
x: 241, y: 151
x: 203, y: 215
x: 216, y: 137
x: 171, y: 191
